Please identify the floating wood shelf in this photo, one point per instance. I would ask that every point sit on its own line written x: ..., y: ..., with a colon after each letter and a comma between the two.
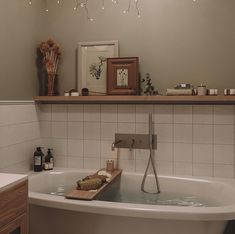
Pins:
x: 225, y: 100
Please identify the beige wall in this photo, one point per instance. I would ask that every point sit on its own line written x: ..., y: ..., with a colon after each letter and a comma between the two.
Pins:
x: 177, y: 40
x: 21, y: 29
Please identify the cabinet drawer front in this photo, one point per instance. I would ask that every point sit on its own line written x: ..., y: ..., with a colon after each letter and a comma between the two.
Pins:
x: 13, y: 202
x: 19, y: 224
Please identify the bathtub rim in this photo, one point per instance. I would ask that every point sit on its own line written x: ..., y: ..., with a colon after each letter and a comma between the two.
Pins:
x: 224, y: 212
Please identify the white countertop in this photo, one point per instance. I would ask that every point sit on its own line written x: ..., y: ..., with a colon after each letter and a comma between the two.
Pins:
x: 7, y: 180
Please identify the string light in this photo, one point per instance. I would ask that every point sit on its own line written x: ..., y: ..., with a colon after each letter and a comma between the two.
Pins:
x: 84, y: 4
x: 136, y: 7
x: 46, y: 6
x: 102, y: 7
x: 128, y: 8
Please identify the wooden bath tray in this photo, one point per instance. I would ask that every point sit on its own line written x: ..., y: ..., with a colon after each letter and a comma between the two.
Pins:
x: 91, y: 195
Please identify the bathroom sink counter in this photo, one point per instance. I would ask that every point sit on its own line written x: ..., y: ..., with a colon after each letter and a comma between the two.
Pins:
x: 7, y: 180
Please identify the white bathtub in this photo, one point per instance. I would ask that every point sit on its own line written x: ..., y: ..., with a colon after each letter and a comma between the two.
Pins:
x: 113, y: 217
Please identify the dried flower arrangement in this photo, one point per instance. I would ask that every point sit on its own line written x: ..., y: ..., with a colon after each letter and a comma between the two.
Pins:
x: 148, y: 88
x: 51, y: 54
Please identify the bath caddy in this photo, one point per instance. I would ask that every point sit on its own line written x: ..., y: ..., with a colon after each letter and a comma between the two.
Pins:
x: 91, y: 195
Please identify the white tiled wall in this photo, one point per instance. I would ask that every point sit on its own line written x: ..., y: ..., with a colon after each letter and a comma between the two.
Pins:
x: 19, y: 134
x: 192, y: 140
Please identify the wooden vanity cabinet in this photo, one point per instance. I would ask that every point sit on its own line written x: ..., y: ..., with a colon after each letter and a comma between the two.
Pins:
x: 14, y: 209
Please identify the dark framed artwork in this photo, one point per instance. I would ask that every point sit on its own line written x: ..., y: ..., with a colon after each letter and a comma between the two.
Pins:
x: 123, y: 76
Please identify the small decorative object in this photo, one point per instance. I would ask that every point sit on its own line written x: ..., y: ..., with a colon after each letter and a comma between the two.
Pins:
x: 183, y: 86
x: 109, y: 165
x: 51, y: 55
x: 66, y: 94
x: 181, y: 90
x: 229, y: 92
x: 148, y: 88
x: 85, y: 92
x: 201, y: 90
x: 123, y: 76
x: 92, y: 65
x: 212, y: 92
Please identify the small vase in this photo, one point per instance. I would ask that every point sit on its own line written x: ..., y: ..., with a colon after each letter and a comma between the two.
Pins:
x: 51, y: 84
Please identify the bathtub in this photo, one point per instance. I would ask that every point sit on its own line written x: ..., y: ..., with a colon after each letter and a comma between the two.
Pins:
x: 50, y: 213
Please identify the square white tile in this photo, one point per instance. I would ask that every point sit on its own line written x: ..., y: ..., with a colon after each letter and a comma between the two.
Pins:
x: 75, y: 162
x: 92, y: 148
x: 181, y: 168
x: 183, y: 133
x: 45, y: 112
x: 59, y: 112
x: 203, y: 153
x: 59, y: 146
x: 126, y: 113
x: 183, y: 114
x: 126, y: 127
x: 223, y: 114
x: 224, y: 154
x: 45, y: 129
x: 106, y: 151
x: 164, y: 151
x: 200, y: 169
x: 75, y: 112
x: 202, y: 133
x: 109, y: 113
x: 108, y: 131
x: 164, y: 132
x: 92, y: 163
x: 224, y: 171
x: 92, y: 130
x: 75, y: 130
x: 203, y: 114
x: 127, y: 165
x: 61, y: 161
x: 142, y: 154
x: 183, y: 152
x: 142, y: 113
x: 92, y: 113
x: 142, y: 128
x: 223, y: 134
x: 75, y: 148
x: 59, y: 129
x: 163, y: 114
x: 164, y: 168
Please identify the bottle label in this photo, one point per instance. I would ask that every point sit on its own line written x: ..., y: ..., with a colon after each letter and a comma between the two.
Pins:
x: 37, y: 160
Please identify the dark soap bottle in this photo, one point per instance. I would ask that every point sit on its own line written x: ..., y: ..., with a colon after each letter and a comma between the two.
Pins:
x: 38, y: 160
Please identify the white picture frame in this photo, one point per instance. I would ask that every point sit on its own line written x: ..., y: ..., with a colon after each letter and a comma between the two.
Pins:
x: 92, y: 65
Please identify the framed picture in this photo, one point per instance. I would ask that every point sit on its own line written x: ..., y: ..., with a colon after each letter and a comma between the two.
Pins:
x: 92, y: 65
x: 123, y: 76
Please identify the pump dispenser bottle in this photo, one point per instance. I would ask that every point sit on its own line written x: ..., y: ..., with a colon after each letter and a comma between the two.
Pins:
x: 49, y: 160
x: 38, y: 160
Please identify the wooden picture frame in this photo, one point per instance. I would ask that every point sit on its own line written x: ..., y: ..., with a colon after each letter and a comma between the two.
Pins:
x: 123, y: 76
x: 90, y: 65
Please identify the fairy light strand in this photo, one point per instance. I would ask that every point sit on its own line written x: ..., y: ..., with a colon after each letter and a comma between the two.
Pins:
x: 128, y: 8
x: 84, y: 4
x: 137, y: 8
x: 47, y: 9
x: 102, y: 5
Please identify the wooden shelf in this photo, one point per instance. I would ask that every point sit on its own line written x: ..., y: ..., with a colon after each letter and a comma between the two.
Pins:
x: 225, y: 100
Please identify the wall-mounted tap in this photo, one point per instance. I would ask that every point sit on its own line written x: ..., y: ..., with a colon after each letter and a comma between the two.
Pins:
x: 115, y: 143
